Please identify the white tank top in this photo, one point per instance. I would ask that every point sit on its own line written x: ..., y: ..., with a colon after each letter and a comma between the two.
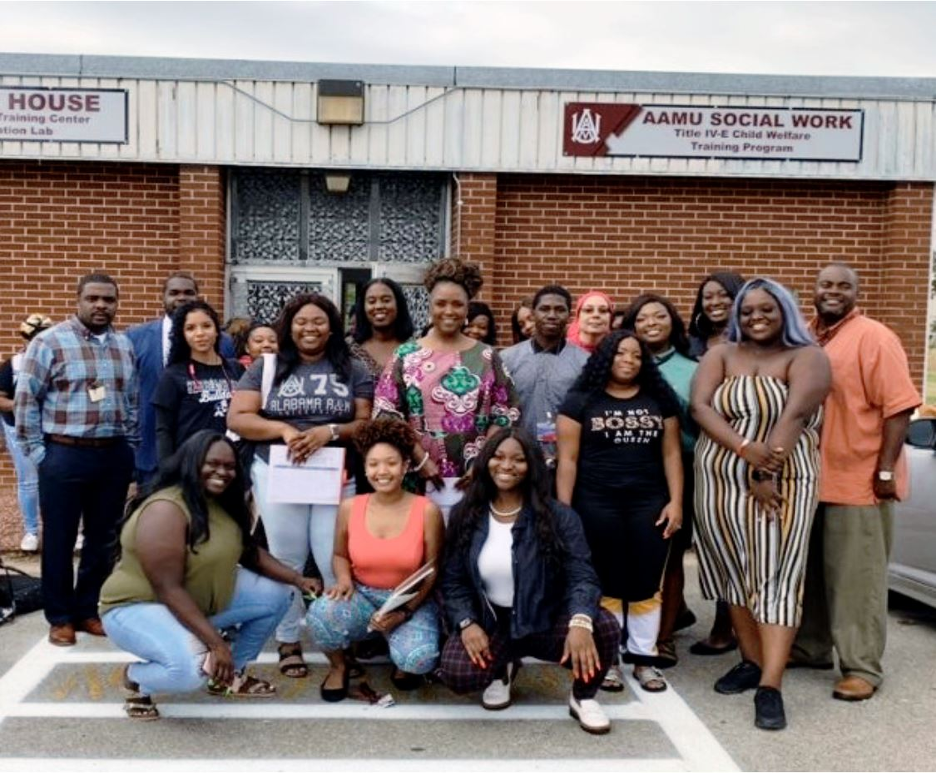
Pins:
x: 495, y: 563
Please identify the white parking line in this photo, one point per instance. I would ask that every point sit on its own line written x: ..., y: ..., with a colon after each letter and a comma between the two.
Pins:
x: 323, y: 766
x: 698, y: 748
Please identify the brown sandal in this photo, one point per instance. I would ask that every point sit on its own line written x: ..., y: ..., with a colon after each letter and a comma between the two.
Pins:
x: 243, y: 686
x: 666, y: 654
x: 291, y: 663
x: 137, y: 706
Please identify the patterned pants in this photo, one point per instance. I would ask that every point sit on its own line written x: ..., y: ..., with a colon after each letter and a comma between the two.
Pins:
x: 462, y: 676
x: 414, y: 644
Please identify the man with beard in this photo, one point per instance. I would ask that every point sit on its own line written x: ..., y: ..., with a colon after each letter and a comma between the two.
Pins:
x: 76, y: 418
x: 863, y: 472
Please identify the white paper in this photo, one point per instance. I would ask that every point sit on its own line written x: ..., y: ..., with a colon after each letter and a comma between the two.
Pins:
x: 317, y: 481
x: 447, y: 496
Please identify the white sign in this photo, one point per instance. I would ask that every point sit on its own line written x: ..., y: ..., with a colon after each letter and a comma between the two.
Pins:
x: 690, y: 131
x: 744, y: 133
x: 317, y: 481
x: 63, y: 115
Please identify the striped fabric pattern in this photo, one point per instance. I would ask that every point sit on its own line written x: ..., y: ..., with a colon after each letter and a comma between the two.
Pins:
x: 744, y: 557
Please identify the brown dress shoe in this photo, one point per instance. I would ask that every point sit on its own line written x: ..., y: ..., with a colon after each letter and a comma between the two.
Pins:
x: 91, y: 626
x: 62, y: 635
x: 853, y: 688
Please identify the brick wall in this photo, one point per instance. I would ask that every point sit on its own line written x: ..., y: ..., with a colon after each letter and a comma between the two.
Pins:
x: 630, y: 234
x: 136, y: 222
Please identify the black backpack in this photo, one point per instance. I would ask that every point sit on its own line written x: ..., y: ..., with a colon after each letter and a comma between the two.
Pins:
x: 20, y: 593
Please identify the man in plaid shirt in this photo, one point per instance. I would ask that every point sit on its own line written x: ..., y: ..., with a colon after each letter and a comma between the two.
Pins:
x: 76, y: 417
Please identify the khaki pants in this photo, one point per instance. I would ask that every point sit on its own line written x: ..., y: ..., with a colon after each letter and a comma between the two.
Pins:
x: 845, y: 602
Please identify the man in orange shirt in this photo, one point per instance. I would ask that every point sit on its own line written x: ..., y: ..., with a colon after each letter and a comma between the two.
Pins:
x: 863, y: 472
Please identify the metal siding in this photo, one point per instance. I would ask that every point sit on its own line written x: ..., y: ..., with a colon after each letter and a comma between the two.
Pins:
x: 444, y: 128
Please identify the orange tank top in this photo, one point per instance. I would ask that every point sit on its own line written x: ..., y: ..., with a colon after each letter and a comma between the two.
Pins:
x: 384, y: 563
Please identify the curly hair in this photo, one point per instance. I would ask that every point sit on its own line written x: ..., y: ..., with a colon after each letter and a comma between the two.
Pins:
x: 390, y: 431
x: 699, y: 325
x: 403, y: 324
x: 336, y: 348
x: 179, y: 349
x: 468, y: 513
x: 678, y: 339
x: 467, y: 275
x: 597, y: 372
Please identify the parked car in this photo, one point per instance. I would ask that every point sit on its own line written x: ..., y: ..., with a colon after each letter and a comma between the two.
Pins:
x: 912, y: 568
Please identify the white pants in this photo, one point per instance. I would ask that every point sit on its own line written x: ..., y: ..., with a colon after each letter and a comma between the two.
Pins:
x: 292, y: 531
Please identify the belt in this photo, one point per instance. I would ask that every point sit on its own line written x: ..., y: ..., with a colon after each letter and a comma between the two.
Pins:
x: 95, y: 443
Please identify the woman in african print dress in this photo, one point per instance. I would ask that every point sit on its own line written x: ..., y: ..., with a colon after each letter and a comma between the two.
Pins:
x: 452, y: 389
x: 757, y: 400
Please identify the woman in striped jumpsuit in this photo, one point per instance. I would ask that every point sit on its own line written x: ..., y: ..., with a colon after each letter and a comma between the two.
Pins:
x: 758, y: 402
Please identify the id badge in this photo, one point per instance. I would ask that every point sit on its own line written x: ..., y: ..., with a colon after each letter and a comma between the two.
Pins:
x: 97, y: 393
x: 546, y: 432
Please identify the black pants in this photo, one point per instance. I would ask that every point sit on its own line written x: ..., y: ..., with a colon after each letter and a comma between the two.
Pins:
x: 76, y: 483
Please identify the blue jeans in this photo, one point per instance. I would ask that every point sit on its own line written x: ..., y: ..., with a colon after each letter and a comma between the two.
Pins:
x: 292, y: 531
x: 27, y: 481
x: 173, y: 656
x: 414, y: 644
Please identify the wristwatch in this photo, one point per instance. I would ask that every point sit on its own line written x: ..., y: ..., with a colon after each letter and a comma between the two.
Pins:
x: 464, y: 623
x: 333, y: 429
x: 885, y: 475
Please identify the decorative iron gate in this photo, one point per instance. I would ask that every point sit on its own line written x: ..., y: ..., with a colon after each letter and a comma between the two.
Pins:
x: 289, y: 234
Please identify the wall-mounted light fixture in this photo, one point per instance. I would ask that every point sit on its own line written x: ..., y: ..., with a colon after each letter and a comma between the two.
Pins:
x: 340, y: 102
x: 337, y: 183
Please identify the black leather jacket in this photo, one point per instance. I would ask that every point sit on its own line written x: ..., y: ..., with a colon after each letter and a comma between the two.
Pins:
x: 543, y: 590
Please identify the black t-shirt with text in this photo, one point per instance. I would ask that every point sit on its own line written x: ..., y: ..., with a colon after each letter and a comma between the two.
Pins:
x: 621, y: 445
x: 194, y: 396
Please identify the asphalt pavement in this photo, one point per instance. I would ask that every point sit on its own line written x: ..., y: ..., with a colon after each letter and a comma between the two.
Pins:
x: 60, y: 710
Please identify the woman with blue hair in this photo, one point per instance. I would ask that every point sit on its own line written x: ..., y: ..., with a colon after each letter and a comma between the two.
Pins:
x: 757, y: 399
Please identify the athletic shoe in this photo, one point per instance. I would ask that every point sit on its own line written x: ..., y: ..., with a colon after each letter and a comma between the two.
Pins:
x: 589, y: 715
x: 768, y: 709
x: 30, y: 542
x: 740, y: 678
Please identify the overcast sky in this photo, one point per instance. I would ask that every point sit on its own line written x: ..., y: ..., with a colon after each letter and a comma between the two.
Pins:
x: 837, y: 38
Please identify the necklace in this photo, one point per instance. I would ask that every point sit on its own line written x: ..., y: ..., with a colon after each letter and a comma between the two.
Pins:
x: 506, y: 514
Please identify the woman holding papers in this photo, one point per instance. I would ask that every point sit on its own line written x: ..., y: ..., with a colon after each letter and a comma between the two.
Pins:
x: 381, y: 540
x: 517, y: 581
x: 451, y: 389
x: 187, y: 569
x: 319, y: 397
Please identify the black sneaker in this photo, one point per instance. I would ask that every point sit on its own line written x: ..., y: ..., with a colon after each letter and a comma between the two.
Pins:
x: 768, y: 709
x: 740, y: 678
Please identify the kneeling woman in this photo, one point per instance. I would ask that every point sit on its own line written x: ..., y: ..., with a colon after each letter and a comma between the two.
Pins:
x: 380, y: 540
x: 177, y: 582
x: 517, y: 581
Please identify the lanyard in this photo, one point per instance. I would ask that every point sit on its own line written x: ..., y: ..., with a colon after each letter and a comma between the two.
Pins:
x: 197, y: 382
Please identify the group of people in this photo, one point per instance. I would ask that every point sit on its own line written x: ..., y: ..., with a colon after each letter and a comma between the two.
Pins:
x: 550, y: 489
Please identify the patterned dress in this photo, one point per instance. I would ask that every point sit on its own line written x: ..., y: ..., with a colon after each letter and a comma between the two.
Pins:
x: 744, y: 557
x: 449, y: 398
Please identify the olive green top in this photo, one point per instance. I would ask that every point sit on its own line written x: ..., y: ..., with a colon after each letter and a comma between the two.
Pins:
x: 210, y: 570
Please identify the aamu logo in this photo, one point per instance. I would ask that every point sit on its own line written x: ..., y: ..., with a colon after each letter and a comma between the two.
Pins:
x: 589, y: 124
x: 586, y: 127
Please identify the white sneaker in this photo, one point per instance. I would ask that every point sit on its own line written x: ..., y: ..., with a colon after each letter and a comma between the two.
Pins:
x: 79, y: 542
x: 30, y: 542
x: 497, y: 695
x: 589, y: 715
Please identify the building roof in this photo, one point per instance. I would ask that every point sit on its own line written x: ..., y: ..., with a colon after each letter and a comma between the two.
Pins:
x: 157, y: 68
